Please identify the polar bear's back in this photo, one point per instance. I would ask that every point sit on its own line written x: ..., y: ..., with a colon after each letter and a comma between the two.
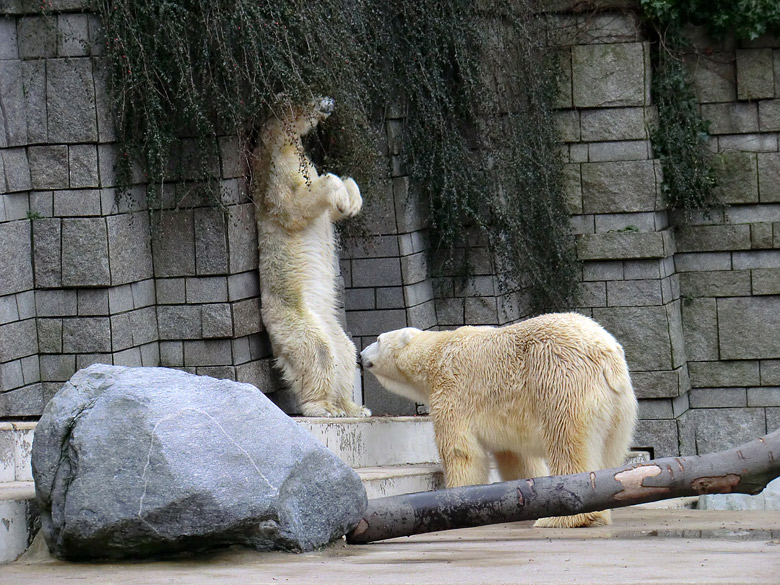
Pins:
x: 559, y: 370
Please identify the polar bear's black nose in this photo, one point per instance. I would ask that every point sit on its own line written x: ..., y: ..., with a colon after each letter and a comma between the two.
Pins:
x: 363, y: 363
x: 327, y: 105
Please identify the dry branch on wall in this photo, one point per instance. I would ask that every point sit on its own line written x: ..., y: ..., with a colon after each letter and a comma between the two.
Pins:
x: 745, y: 469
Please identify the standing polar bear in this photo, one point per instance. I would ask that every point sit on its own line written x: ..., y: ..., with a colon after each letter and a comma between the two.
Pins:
x: 552, y: 389
x: 296, y: 209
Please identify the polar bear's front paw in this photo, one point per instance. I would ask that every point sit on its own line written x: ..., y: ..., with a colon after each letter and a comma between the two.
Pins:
x: 355, y: 200
x: 321, y: 409
x: 577, y: 521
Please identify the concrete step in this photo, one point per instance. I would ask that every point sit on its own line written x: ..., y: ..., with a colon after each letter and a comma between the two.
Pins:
x: 18, y: 518
x: 376, y: 441
x: 401, y: 479
x: 15, y: 448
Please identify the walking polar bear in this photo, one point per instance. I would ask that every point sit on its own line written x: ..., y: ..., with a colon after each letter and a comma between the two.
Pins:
x: 552, y: 389
x: 295, y: 212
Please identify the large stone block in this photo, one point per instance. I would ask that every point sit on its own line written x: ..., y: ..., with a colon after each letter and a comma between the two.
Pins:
x: 766, y: 281
x: 659, y: 435
x: 702, y: 262
x: 71, y: 101
x: 611, y: 75
x: 217, y: 352
x: 17, y: 170
x: 481, y: 311
x: 737, y: 175
x: 85, y: 252
x: 755, y: 74
x: 179, y: 322
x: 16, y: 270
x: 372, y: 323
x: 720, y: 283
x: 211, y: 250
x: 634, y: 293
x: 713, y: 238
x: 37, y: 38
x: 56, y: 303
x: 660, y: 384
x: 49, y: 166
x: 86, y: 335
x: 748, y: 326
x: 770, y: 372
x: 721, y: 374
x: 84, y: 172
x: 718, y: 429
x: 143, y: 325
x: 26, y: 401
x: 769, y: 115
x: 700, y: 327
x: 12, y: 98
x: 93, y: 301
x: 624, y: 186
x: 240, y: 487
x: 624, y: 150
x: 18, y: 339
x: 376, y: 272
x: 763, y: 396
x: 217, y: 320
x: 73, y: 39
x: 718, y: 398
x: 246, y: 317
x: 758, y: 259
x: 130, y: 247
x: 243, y: 286
x: 750, y: 143
x: 173, y: 244
x: 613, y: 124
x: 77, y: 202
x: 211, y: 289
x: 731, y: 118
x: 619, y: 245
x: 8, y: 39
x: 769, y: 177
x: 34, y: 75
x: 644, y: 334
x: 714, y: 77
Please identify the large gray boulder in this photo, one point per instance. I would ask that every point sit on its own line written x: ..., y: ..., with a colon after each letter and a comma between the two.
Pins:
x: 137, y: 462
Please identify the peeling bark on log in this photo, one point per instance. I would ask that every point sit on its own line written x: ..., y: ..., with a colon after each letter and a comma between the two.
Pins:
x: 745, y: 469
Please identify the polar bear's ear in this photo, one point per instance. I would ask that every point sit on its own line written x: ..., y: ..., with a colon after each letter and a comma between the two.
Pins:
x: 407, y: 334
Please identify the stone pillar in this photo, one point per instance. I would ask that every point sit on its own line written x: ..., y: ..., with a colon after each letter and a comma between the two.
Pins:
x: 629, y: 284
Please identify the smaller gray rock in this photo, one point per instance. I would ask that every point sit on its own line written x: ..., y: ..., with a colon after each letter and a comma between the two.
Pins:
x: 139, y: 462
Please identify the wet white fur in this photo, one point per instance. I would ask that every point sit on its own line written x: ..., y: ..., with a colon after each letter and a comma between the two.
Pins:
x: 296, y: 209
x: 554, y: 389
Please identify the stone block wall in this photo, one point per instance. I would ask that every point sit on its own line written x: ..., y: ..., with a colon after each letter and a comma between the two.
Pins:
x: 85, y: 277
x: 729, y: 262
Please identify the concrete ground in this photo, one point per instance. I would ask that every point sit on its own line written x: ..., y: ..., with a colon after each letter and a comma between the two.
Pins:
x: 658, y: 546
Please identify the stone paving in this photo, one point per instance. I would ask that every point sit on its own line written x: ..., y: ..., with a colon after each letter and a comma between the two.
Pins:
x: 644, y: 545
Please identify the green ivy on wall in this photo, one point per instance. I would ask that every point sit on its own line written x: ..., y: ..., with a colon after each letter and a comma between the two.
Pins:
x: 479, y: 139
x: 680, y: 138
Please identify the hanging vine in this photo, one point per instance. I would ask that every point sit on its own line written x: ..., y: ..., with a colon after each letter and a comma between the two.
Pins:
x: 681, y: 136
x: 479, y: 138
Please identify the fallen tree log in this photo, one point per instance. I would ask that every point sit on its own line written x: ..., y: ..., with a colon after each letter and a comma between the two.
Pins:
x: 745, y: 469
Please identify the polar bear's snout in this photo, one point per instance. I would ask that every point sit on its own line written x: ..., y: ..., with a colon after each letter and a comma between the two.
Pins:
x: 326, y: 106
x: 365, y: 358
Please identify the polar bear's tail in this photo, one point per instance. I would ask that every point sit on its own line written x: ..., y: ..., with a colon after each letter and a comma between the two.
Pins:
x: 616, y: 371
x: 624, y: 408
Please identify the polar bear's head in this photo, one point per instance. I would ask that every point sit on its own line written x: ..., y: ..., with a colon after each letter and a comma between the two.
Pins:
x: 305, y: 118
x: 390, y: 358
